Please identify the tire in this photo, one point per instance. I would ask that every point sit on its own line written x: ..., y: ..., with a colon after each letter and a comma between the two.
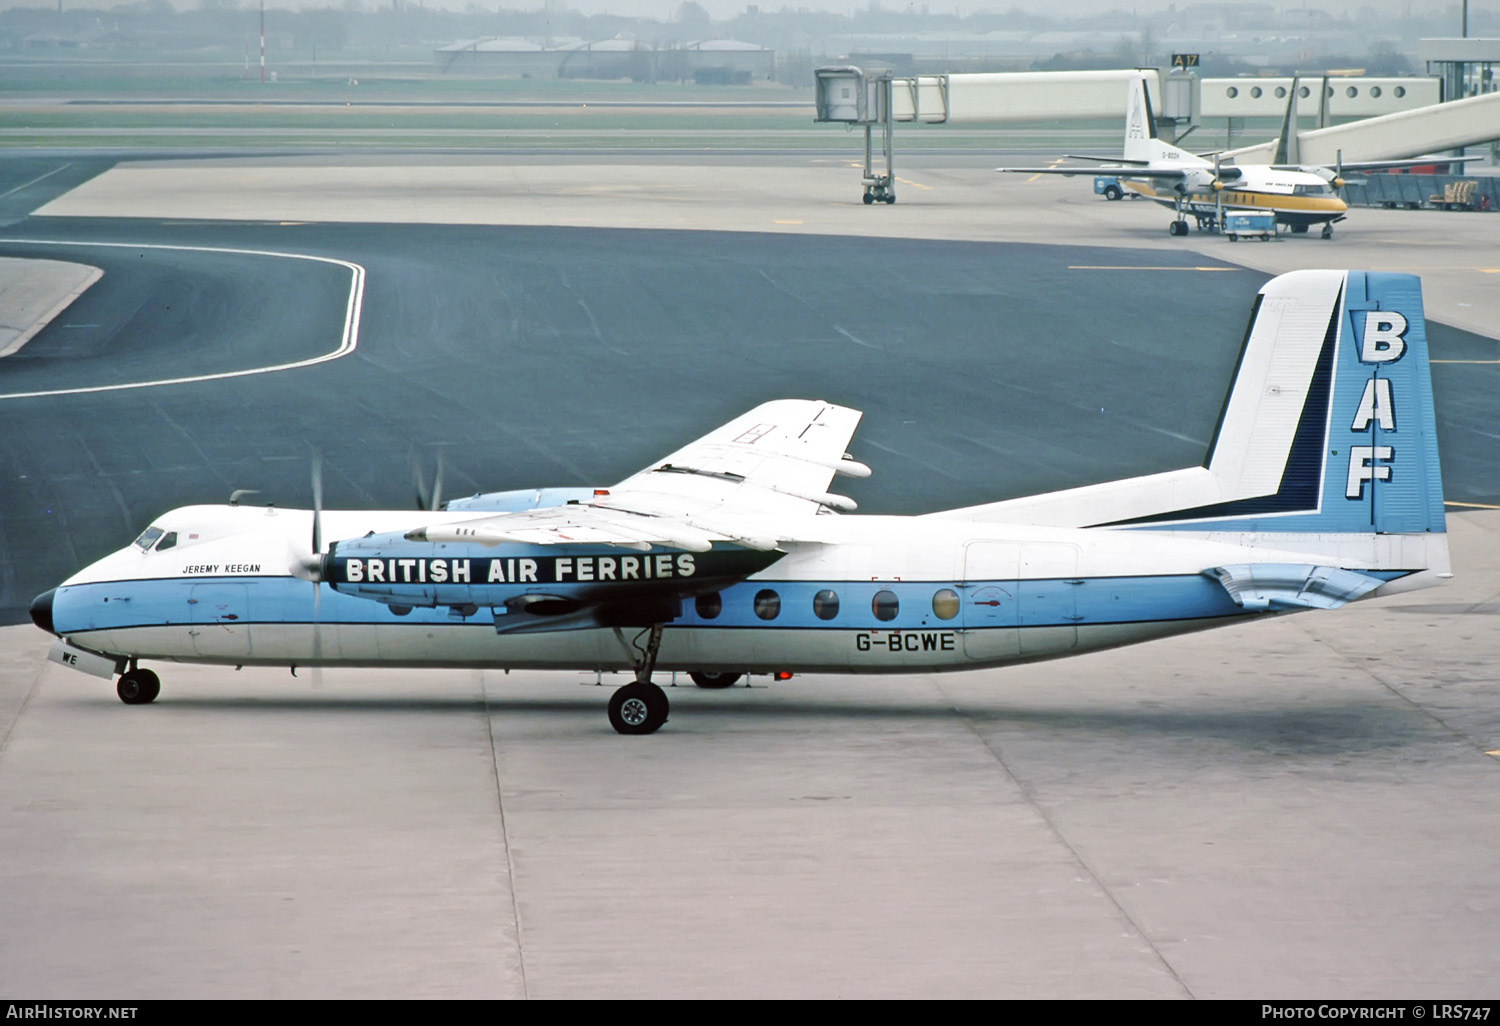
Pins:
x: 1233, y: 237
x: 1113, y: 192
x: 869, y: 198
x: 138, y: 687
x: 638, y: 709
x: 714, y: 681
x: 890, y: 197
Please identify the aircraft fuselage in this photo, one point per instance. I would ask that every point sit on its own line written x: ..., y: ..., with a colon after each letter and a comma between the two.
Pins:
x: 864, y: 594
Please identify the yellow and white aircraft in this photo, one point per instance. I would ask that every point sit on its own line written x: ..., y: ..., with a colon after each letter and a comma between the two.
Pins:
x: 1206, y: 190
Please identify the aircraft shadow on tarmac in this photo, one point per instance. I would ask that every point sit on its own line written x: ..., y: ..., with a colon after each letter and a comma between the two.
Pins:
x: 1291, y: 729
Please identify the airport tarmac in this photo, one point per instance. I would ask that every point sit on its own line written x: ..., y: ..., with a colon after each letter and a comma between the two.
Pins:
x: 1295, y: 809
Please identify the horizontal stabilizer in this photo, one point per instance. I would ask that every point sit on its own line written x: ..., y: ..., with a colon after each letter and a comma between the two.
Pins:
x: 1263, y: 586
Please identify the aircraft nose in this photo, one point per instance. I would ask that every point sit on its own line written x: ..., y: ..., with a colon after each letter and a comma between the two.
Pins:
x: 41, y: 610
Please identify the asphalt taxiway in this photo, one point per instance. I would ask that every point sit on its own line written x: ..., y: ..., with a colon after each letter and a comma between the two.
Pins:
x: 1290, y: 809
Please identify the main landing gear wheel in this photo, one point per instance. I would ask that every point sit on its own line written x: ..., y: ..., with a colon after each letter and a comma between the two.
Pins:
x: 638, y: 708
x: 1177, y: 228
x: 137, y: 687
x: 713, y: 681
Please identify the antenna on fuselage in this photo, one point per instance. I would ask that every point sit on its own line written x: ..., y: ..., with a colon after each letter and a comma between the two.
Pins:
x: 238, y: 493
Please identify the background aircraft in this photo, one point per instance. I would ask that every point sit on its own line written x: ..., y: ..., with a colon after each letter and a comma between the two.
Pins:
x: 1299, y: 195
x: 1193, y: 185
x: 731, y: 556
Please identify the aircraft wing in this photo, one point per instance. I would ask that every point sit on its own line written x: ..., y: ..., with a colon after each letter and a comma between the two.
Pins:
x: 777, y: 459
x: 1120, y: 170
x: 767, y: 466
x: 1376, y: 165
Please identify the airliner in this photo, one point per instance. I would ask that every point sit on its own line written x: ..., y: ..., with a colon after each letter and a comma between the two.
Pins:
x: 1205, y: 189
x: 731, y: 556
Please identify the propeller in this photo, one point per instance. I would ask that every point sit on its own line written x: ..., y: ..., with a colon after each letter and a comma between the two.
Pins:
x: 1218, y: 194
x: 315, y: 568
x: 426, y: 500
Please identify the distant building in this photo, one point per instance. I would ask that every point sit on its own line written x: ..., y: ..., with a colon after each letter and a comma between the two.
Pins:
x: 726, y: 61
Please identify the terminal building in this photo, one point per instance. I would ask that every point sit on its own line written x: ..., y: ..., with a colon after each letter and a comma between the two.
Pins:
x: 712, y: 61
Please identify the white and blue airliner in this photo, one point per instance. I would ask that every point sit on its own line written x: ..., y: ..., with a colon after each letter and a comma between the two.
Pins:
x: 731, y: 556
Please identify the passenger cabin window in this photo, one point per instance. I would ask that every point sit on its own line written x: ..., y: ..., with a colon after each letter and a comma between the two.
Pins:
x: 168, y: 541
x: 885, y: 605
x: 826, y: 604
x: 148, y: 538
x: 945, y: 604
x: 767, y: 604
x: 709, y: 606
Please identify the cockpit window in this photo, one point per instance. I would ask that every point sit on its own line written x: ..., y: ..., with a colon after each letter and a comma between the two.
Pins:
x: 167, y: 541
x: 148, y: 538
x: 1311, y: 190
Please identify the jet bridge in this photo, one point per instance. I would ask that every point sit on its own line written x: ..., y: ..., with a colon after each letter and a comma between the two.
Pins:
x: 1402, y: 115
x: 877, y: 100
x: 1442, y: 126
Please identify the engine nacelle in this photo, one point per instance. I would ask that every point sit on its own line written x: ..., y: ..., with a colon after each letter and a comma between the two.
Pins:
x: 1196, y: 180
x: 533, y: 583
x: 520, y: 500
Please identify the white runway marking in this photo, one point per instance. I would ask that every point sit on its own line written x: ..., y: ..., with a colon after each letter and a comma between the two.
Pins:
x: 38, y: 178
x: 347, y: 344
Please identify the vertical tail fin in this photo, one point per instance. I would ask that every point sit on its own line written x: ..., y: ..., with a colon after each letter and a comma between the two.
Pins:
x: 1329, y: 426
x: 1327, y: 430
x: 1140, y: 122
x: 1288, y: 144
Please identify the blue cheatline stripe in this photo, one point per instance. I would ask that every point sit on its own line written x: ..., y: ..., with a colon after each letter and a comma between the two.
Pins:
x: 1008, y: 603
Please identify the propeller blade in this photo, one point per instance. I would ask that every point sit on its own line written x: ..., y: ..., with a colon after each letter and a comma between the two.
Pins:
x: 424, y: 500
x: 317, y: 490
x: 317, y: 636
x: 437, y: 482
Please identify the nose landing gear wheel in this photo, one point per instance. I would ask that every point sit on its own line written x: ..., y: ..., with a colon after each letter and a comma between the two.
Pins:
x: 638, y: 708
x: 138, y: 687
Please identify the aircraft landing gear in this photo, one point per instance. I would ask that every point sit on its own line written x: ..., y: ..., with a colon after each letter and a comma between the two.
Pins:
x: 1328, y: 231
x: 138, y: 687
x: 1178, y: 227
x: 714, y: 681
x: 641, y: 707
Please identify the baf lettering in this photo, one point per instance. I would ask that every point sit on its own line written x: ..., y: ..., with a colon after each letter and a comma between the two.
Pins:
x: 1383, y: 342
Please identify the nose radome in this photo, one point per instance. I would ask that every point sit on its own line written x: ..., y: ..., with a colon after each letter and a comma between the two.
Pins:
x: 41, y: 610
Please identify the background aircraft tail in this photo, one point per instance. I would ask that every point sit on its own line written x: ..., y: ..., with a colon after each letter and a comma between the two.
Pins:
x: 1140, y: 123
x: 1327, y: 432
